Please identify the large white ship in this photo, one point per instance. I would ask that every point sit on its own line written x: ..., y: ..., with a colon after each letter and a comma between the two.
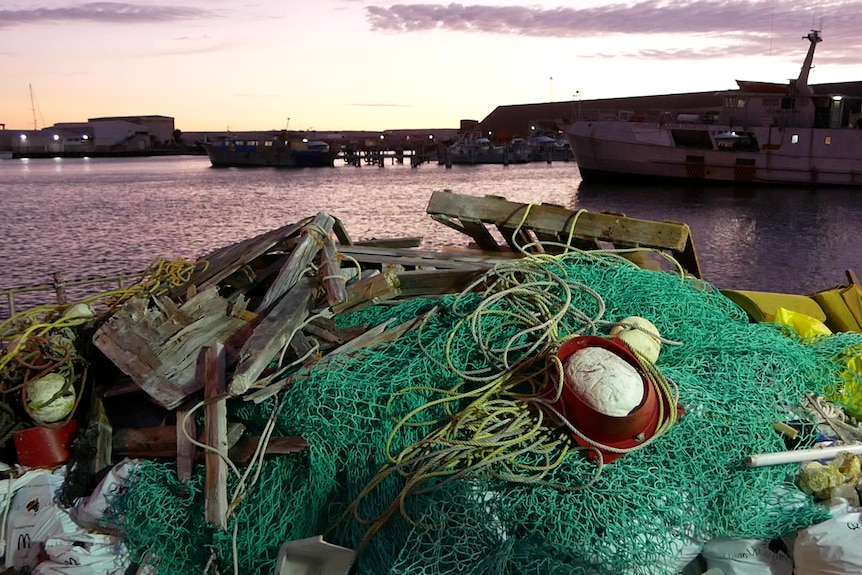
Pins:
x: 765, y: 133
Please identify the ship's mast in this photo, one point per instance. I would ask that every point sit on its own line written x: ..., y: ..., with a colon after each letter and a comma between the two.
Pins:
x: 802, y: 86
x: 33, y: 106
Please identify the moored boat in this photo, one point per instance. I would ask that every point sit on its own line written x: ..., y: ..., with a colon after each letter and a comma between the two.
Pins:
x: 474, y: 148
x: 278, y: 150
x: 765, y: 133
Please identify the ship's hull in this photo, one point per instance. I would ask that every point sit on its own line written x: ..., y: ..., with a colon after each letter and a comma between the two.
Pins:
x: 695, y: 153
x: 269, y: 156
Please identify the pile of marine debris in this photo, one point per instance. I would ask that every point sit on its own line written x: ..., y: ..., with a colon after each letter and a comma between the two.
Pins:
x: 271, y: 300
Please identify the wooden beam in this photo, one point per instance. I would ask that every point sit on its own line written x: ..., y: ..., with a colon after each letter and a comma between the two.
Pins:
x: 375, y: 288
x: 330, y: 273
x: 185, y: 449
x: 408, y: 242
x: 449, y: 257
x: 271, y: 335
x: 311, y: 241
x: 215, y: 431
x: 418, y: 283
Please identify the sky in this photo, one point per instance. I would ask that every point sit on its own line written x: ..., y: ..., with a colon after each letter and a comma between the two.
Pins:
x: 375, y: 65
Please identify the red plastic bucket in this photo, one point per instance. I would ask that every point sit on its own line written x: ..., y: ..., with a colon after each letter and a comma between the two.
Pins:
x: 45, y: 446
x: 613, y: 431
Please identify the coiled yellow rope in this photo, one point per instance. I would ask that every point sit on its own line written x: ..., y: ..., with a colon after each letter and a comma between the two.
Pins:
x: 40, y: 340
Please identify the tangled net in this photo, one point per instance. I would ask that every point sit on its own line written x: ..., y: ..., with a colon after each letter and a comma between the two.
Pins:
x: 502, y: 489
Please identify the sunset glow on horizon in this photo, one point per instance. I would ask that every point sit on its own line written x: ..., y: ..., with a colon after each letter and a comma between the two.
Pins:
x: 366, y: 65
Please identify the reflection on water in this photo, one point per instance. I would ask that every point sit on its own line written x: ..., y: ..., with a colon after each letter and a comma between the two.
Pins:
x: 104, y: 216
x: 795, y: 240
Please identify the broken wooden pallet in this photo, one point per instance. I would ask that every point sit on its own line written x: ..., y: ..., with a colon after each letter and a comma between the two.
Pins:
x: 520, y: 223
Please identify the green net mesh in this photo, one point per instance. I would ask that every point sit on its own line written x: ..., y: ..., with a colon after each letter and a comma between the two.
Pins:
x: 735, y: 379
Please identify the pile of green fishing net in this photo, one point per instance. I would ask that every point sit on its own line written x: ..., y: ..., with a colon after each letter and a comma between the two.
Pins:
x: 735, y: 379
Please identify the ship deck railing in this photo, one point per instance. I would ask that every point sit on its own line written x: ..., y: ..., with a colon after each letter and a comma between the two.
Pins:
x: 657, y: 116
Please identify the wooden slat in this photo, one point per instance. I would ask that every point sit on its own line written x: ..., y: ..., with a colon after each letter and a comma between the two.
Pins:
x: 418, y: 283
x: 476, y: 229
x: 185, y: 449
x: 449, y: 257
x: 408, y: 242
x: 215, y: 495
x: 224, y: 261
x: 243, y: 451
x: 271, y: 335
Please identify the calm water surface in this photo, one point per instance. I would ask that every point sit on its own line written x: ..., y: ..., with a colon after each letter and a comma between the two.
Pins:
x: 102, y: 216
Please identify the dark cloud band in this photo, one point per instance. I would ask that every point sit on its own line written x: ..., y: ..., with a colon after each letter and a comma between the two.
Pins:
x: 748, y: 24
x: 106, y: 12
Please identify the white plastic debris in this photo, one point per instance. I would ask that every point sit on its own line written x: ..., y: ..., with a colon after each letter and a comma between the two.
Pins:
x: 831, y: 547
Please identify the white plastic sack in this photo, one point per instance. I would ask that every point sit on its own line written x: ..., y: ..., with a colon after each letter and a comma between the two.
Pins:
x: 84, y: 554
x: 8, y: 487
x: 833, y: 547
x: 745, y: 557
x: 91, y: 511
x: 34, y: 517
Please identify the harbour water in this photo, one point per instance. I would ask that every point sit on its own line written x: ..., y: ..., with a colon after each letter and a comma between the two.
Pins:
x: 102, y: 216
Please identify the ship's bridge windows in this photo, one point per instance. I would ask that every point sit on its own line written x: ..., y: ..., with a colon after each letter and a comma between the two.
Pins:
x: 794, y: 139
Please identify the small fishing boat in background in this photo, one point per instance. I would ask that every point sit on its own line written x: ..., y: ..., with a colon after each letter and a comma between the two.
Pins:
x: 765, y: 133
x: 279, y: 150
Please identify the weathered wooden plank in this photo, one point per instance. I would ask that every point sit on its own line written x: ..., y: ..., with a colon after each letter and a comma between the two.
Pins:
x: 330, y: 273
x: 273, y: 332
x: 185, y: 429
x: 375, y: 288
x: 146, y: 441
x: 312, y: 240
x: 407, y: 242
x: 224, y: 261
x: 243, y: 451
x: 544, y: 218
x: 376, y: 335
x: 448, y: 257
x: 341, y: 233
x: 418, y: 283
x: 517, y: 237
x: 215, y: 431
x: 477, y: 230
x: 159, y: 441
